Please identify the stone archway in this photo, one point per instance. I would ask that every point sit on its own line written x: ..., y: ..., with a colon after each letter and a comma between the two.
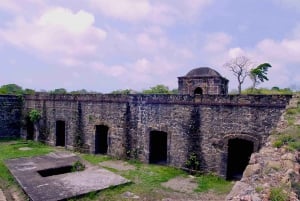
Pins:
x: 101, y: 139
x: 198, y: 91
x: 60, y: 133
x: 239, y: 152
x: 29, y: 130
x: 238, y: 149
x: 158, y: 147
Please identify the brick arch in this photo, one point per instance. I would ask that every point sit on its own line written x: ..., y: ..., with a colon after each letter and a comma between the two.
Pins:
x: 238, y: 149
x: 158, y: 128
x: 198, y: 91
x: 108, y: 135
x: 254, y: 140
x: 202, y: 86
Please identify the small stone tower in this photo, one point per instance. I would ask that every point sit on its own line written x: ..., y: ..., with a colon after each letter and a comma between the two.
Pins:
x: 203, y: 80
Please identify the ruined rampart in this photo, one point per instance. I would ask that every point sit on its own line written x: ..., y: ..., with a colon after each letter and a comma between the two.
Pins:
x: 155, y: 128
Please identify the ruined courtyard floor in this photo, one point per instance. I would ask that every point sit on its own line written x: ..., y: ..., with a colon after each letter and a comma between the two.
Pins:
x: 50, y: 177
x: 103, y: 179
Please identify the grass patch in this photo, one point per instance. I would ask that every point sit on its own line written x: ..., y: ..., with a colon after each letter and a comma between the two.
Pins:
x: 290, y: 137
x: 278, y: 194
x: 9, y: 148
x: 95, y: 159
x: 146, y: 178
x: 214, y: 183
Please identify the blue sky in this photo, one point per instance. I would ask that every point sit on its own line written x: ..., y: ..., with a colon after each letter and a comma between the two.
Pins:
x: 105, y: 45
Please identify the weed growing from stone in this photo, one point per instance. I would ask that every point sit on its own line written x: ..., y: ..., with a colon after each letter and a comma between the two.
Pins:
x: 34, y: 115
x: 278, y: 194
x: 77, y: 166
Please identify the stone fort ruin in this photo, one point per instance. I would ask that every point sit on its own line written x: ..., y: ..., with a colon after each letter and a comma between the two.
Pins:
x: 220, y: 130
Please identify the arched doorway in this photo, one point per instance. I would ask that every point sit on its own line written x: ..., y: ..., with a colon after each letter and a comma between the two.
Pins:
x: 158, y: 147
x: 30, y: 130
x: 60, y: 133
x: 101, y: 137
x: 198, y: 91
x: 239, y: 152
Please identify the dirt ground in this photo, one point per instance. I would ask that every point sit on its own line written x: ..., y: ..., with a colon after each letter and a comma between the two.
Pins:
x: 181, y: 188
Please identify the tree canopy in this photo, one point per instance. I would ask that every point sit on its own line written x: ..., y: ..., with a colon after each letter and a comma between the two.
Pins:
x: 14, y: 89
x: 259, y: 74
x: 158, y: 89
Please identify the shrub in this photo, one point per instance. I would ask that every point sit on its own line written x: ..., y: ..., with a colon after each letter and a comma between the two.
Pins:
x: 278, y: 194
x: 193, y: 162
x: 78, y: 166
x: 34, y: 115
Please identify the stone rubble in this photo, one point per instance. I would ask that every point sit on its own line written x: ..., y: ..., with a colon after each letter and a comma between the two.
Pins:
x: 269, y: 168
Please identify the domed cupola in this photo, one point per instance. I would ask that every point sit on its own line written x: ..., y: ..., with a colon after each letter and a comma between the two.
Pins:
x: 203, y: 80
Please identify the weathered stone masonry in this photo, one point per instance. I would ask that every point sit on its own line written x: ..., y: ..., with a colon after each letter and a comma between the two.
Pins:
x: 203, y: 120
x: 200, y: 124
x: 10, y: 115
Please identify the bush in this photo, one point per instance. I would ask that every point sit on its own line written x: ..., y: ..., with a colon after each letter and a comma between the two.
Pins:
x: 34, y: 115
x: 193, y: 162
x: 285, y: 139
x: 78, y: 166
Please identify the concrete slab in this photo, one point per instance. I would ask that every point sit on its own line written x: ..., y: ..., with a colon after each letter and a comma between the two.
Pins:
x: 61, y: 186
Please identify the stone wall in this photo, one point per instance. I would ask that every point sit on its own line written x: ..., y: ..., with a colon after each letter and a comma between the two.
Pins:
x: 10, y: 116
x: 271, y: 167
x: 201, y: 125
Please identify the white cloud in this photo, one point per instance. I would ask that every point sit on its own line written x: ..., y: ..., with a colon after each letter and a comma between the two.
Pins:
x: 27, y: 6
x: 286, y: 50
x: 217, y: 42
x: 132, y: 10
x: 64, y: 18
x: 141, y: 73
x: 236, y: 52
x: 149, y: 43
x: 58, y: 31
x: 157, y: 12
x: 291, y: 4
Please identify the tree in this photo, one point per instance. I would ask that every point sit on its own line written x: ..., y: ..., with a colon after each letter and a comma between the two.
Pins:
x: 259, y: 74
x: 28, y: 91
x: 81, y: 91
x: 240, y: 67
x: 158, y: 89
x: 124, y: 91
x: 11, y: 89
x: 59, y: 91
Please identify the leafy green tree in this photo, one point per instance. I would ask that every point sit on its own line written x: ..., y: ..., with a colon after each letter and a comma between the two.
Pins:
x: 59, y: 91
x: 158, y: 89
x: 81, y: 91
x: 174, y: 91
x: 28, y: 91
x: 11, y: 89
x: 125, y: 91
x: 259, y: 74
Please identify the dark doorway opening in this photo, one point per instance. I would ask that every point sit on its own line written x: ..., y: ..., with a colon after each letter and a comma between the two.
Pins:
x: 239, y: 152
x: 198, y: 91
x: 60, y: 133
x: 55, y: 171
x: 158, y: 147
x: 30, y: 130
x: 101, y: 144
